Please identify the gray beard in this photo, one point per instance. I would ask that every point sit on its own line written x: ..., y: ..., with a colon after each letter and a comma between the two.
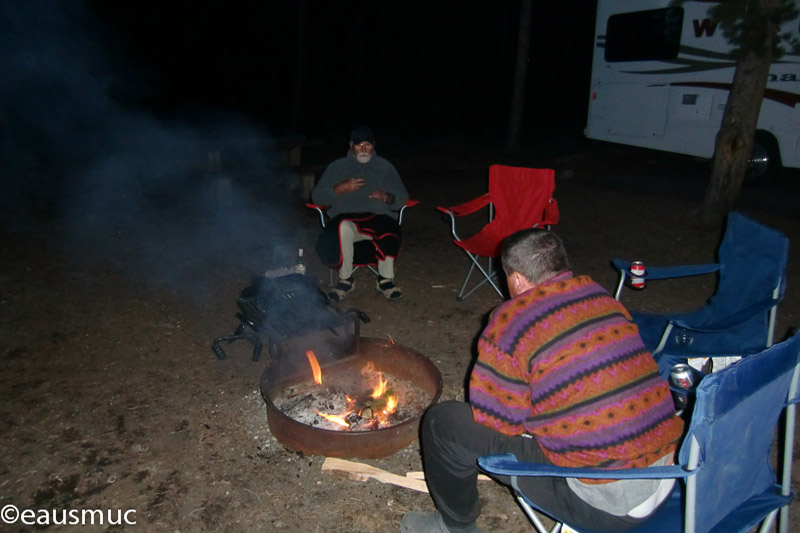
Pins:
x: 364, y: 158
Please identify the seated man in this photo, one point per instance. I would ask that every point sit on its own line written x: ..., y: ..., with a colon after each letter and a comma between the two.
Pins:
x: 364, y: 193
x: 562, y: 377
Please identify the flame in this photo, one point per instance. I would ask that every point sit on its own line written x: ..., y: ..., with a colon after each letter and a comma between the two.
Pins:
x: 391, y: 405
x: 336, y: 419
x: 380, y: 388
x: 312, y: 360
x: 380, y: 416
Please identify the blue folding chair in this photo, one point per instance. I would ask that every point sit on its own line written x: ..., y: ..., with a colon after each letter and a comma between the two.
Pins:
x: 739, y: 318
x: 727, y: 481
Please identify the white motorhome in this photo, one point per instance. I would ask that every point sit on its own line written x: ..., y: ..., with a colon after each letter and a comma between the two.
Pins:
x: 660, y: 79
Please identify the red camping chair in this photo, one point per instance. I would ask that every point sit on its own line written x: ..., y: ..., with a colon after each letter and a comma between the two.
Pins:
x: 323, y: 220
x: 518, y: 198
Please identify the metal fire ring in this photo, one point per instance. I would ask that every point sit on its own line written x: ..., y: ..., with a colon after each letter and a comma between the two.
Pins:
x: 391, y: 358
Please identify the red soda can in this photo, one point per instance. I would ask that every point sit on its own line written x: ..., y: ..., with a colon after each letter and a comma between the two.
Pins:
x: 682, y: 380
x: 637, y: 271
x: 682, y: 376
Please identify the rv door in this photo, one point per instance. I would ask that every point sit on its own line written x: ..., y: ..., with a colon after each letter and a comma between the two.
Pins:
x: 632, y: 110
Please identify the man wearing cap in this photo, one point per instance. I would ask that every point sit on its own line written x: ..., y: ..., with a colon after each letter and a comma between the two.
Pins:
x: 364, y: 193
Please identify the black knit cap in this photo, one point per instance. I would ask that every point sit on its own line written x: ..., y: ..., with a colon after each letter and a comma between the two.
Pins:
x: 362, y: 134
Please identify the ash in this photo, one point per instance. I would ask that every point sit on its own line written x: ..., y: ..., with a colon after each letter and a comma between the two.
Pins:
x: 304, y: 402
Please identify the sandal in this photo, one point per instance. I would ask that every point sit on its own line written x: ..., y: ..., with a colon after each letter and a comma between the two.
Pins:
x: 342, y: 289
x: 388, y: 288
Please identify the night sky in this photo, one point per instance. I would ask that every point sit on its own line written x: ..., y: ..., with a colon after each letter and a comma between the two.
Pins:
x: 407, y: 65
x: 441, y: 66
x: 109, y: 111
x: 134, y: 90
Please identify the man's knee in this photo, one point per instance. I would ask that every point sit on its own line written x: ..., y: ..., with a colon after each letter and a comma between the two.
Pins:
x: 446, y: 419
x: 347, y: 230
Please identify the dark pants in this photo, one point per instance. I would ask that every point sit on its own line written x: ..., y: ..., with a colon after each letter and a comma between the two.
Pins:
x: 451, y: 444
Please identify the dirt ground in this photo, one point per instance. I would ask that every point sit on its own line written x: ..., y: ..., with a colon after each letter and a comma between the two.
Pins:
x: 113, y: 400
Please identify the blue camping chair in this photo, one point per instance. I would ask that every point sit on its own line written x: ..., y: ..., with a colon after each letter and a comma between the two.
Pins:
x: 728, y: 484
x: 740, y: 317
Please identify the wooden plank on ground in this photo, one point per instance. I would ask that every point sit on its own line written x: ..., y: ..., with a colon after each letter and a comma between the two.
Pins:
x: 362, y: 472
x: 421, y: 475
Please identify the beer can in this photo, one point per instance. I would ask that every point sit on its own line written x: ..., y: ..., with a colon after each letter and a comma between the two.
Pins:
x: 682, y: 376
x: 682, y: 380
x: 637, y: 273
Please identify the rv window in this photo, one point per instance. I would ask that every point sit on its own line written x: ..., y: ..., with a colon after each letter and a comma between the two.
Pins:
x: 644, y: 35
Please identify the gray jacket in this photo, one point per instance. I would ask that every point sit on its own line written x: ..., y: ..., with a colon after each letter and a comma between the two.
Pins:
x: 378, y: 173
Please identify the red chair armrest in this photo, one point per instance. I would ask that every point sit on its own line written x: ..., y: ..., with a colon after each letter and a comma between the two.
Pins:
x: 467, y: 207
x: 551, y: 214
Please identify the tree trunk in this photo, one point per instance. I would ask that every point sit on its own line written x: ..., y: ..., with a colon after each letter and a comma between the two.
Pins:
x: 734, y: 142
x: 518, y: 97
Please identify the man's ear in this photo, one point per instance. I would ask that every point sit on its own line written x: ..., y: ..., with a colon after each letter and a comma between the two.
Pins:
x: 520, y: 282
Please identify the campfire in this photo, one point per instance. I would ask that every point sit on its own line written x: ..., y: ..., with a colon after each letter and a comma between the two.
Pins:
x: 365, y: 401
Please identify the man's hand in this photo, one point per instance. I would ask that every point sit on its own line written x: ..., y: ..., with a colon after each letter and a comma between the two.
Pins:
x: 349, y: 185
x: 383, y: 196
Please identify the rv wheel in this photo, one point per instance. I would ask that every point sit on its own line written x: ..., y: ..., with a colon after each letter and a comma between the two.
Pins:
x: 765, y: 161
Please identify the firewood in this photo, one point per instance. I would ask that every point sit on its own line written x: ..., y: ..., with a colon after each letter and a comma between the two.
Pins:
x: 302, y: 389
x: 362, y: 472
x: 297, y: 402
x: 421, y: 475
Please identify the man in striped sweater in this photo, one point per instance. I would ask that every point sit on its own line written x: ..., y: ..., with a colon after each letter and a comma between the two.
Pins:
x: 562, y: 377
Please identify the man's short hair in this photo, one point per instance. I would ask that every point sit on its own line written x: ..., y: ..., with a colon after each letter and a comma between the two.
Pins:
x: 537, y: 254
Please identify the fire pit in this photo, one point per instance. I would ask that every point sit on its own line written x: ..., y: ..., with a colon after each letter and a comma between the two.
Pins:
x: 363, y: 437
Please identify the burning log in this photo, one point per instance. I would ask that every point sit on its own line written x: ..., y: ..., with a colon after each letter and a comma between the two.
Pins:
x: 294, y: 404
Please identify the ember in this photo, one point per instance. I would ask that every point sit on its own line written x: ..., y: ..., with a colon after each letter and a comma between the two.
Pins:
x: 364, y: 402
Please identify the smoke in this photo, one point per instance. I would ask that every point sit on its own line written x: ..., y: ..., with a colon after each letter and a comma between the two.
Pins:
x: 165, y: 201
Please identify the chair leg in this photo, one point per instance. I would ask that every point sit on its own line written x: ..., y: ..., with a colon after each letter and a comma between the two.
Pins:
x: 464, y: 285
x: 537, y: 523
x: 619, y: 285
x: 529, y: 512
x: 788, y: 451
x: 664, y: 338
x: 772, y: 314
x: 487, y: 277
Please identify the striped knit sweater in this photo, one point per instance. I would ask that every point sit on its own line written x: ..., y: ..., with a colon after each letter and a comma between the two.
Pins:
x: 565, y: 363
